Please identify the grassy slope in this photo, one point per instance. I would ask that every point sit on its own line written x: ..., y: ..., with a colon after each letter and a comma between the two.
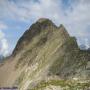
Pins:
x: 63, y: 84
x: 72, y: 62
x: 64, y: 61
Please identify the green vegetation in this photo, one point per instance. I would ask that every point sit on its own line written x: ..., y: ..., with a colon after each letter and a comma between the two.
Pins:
x: 64, y: 84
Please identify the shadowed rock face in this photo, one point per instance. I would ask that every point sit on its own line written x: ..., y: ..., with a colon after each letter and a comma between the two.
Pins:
x: 46, y: 56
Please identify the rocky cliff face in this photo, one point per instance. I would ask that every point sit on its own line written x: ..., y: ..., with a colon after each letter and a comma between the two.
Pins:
x: 38, y: 27
x: 46, y: 58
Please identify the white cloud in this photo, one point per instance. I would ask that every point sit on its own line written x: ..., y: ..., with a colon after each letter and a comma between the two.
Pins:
x: 75, y: 17
x: 87, y: 43
x: 3, y: 42
x: 2, y: 26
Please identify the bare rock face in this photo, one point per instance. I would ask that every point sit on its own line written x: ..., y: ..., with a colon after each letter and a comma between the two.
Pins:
x: 45, y: 57
x: 43, y: 24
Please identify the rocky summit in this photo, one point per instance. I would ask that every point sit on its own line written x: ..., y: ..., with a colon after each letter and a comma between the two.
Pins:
x: 46, y: 57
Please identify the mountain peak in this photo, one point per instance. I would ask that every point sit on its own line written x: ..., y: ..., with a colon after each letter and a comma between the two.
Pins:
x: 43, y: 20
x: 41, y: 25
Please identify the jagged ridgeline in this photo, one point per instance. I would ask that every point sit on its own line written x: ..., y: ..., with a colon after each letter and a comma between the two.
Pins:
x: 45, y: 57
x: 44, y: 26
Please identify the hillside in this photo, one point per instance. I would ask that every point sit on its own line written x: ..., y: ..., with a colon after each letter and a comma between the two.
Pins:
x: 46, y: 57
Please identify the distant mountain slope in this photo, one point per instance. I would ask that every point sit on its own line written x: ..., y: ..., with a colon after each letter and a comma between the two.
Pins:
x: 47, y: 58
x: 1, y: 58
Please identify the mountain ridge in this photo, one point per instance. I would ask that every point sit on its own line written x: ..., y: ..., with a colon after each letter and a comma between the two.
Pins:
x: 47, y: 56
x: 36, y: 29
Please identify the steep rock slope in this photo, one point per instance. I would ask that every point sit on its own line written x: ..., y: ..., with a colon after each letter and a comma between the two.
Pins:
x: 46, y: 57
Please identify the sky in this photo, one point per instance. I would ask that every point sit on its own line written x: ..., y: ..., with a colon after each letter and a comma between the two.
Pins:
x: 16, y: 16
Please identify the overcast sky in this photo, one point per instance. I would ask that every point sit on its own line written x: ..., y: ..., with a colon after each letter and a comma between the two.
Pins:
x: 16, y: 16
